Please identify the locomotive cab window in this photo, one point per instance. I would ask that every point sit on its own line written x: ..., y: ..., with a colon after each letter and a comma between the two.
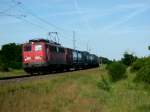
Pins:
x: 27, y: 48
x: 38, y: 47
x: 75, y: 55
x: 79, y: 56
x: 57, y: 49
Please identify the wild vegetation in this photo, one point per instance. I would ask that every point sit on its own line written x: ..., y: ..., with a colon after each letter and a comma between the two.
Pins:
x: 116, y: 71
x: 75, y: 92
x: 142, y: 69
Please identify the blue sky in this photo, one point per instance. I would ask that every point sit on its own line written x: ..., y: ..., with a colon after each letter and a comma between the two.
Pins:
x: 108, y: 27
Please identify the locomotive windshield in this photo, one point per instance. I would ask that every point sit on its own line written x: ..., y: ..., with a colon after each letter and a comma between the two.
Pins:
x: 27, y: 48
x: 38, y: 47
x: 75, y: 55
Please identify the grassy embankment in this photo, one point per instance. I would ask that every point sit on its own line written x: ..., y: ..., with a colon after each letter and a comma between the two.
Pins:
x: 12, y: 73
x: 74, y: 92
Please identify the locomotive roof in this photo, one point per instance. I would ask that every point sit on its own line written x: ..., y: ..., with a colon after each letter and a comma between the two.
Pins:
x: 46, y: 41
x: 39, y: 40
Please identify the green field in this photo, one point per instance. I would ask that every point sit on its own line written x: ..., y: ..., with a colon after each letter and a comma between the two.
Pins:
x: 74, y: 92
x: 12, y: 73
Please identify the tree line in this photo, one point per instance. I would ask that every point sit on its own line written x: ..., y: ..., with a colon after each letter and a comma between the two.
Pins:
x: 11, y: 56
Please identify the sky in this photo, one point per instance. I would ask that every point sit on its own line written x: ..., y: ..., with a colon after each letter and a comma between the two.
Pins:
x: 105, y: 27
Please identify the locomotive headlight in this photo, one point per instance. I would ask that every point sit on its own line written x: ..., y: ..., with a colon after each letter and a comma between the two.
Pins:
x: 27, y: 58
x: 38, y: 57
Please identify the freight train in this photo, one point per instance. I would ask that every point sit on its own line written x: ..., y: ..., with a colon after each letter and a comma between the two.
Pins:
x: 44, y: 56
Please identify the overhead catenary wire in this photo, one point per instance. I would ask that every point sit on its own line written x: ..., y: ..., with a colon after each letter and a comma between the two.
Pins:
x: 8, y: 9
x: 21, y: 17
x: 22, y: 6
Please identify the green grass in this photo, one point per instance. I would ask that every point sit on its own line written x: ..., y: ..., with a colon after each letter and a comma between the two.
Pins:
x: 74, y: 92
x: 11, y: 73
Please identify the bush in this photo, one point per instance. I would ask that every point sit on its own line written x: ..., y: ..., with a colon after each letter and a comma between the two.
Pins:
x: 15, y: 65
x: 116, y: 70
x: 138, y: 64
x: 143, y: 75
x: 128, y: 59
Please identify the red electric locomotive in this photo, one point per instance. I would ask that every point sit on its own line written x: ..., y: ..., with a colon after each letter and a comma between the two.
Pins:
x: 40, y: 56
